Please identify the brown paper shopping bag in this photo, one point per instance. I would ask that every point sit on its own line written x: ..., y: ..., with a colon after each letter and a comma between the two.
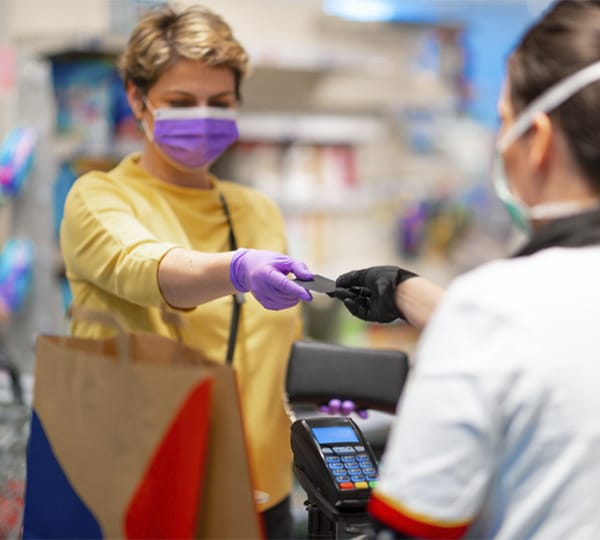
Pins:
x: 135, y: 436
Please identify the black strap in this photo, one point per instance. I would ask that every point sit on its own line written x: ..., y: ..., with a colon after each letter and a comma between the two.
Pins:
x: 238, y: 298
x: 579, y: 230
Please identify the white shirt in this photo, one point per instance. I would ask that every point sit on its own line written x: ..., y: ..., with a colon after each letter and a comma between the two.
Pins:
x: 498, y: 431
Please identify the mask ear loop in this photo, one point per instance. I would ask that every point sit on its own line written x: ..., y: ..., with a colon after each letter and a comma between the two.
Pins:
x: 147, y: 103
x: 545, y: 103
x: 549, y: 100
x: 516, y: 209
x: 149, y: 135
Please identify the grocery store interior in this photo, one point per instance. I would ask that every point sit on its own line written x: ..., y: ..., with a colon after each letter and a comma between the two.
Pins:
x: 371, y: 124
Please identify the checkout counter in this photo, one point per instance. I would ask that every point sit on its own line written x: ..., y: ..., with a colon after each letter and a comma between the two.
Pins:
x: 335, y: 462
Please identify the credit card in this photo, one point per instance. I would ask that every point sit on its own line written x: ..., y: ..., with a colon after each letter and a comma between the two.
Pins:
x: 320, y: 284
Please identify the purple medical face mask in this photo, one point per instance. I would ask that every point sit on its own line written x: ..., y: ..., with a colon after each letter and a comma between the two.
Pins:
x: 193, y: 136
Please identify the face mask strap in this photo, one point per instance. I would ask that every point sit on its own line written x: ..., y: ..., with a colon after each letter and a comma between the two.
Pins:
x: 142, y: 122
x: 147, y: 103
x: 559, y: 209
x: 549, y: 100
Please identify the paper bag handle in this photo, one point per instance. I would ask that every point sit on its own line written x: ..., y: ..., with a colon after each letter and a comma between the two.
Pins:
x: 106, y: 319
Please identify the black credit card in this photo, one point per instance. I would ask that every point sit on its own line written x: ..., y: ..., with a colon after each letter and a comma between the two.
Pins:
x: 319, y: 284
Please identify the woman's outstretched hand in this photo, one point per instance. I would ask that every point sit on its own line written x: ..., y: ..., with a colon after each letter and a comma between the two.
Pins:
x: 265, y: 275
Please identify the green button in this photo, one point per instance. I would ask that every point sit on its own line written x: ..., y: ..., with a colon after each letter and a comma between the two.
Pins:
x: 372, y: 484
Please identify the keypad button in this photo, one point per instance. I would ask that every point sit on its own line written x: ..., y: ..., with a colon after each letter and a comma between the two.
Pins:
x: 365, y: 464
x: 360, y: 448
x: 346, y: 485
x: 336, y: 465
x: 363, y: 457
x: 355, y: 471
x: 371, y: 478
x: 339, y: 472
x: 332, y: 459
x: 342, y: 478
x: 349, y: 459
x: 326, y: 450
x: 344, y: 450
x: 372, y: 484
x: 370, y: 471
x: 361, y: 485
x: 357, y: 478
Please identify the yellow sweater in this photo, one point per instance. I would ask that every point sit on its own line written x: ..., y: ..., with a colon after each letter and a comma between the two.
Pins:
x: 116, y: 228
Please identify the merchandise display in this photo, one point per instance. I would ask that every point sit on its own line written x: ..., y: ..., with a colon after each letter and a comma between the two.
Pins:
x: 16, y: 272
x: 16, y: 159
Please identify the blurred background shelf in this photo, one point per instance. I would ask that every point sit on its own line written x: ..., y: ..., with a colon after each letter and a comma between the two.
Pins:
x: 310, y: 128
x: 368, y: 122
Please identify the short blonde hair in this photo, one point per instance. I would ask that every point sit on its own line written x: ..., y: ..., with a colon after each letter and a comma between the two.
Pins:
x: 162, y: 37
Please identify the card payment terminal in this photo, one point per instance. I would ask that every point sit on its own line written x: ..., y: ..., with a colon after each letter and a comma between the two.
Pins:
x: 334, y: 462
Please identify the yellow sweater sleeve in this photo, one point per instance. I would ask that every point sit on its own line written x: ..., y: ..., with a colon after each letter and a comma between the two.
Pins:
x: 103, y: 243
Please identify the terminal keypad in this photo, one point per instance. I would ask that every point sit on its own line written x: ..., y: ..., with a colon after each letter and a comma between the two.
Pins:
x: 351, y: 466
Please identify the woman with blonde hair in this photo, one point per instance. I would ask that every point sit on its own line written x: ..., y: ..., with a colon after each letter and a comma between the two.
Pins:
x: 159, y: 229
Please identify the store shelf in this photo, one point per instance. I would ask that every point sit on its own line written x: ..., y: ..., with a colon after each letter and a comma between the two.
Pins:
x: 318, y: 60
x: 347, y: 204
x: 318, y: 129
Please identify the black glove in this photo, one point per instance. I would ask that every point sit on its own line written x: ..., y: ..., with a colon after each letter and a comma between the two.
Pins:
x: 370, y: 294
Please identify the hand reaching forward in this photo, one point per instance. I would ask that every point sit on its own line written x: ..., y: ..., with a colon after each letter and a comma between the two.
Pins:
x: 370, y: 294
x: 265, y: 275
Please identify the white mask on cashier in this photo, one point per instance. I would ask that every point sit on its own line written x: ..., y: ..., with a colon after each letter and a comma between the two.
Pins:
x: 521, y: 214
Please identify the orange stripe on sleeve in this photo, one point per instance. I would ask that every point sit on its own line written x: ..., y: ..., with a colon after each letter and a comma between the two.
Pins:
x: 393, y: 515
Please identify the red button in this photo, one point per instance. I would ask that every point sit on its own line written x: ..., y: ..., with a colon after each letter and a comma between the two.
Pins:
x: 346, y: 485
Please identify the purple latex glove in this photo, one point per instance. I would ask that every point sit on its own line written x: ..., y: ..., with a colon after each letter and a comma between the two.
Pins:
x: 345, y: 408
x: 264, y: 274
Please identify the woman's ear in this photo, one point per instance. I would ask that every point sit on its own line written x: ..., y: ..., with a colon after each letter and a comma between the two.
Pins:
x: 134, y: 98
x: 542, y: 138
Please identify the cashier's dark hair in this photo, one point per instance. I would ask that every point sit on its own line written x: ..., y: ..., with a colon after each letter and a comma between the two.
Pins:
x: 564, y: 40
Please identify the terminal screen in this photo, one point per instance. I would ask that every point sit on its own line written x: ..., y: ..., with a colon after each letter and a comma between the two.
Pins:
x: 335, y: 434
